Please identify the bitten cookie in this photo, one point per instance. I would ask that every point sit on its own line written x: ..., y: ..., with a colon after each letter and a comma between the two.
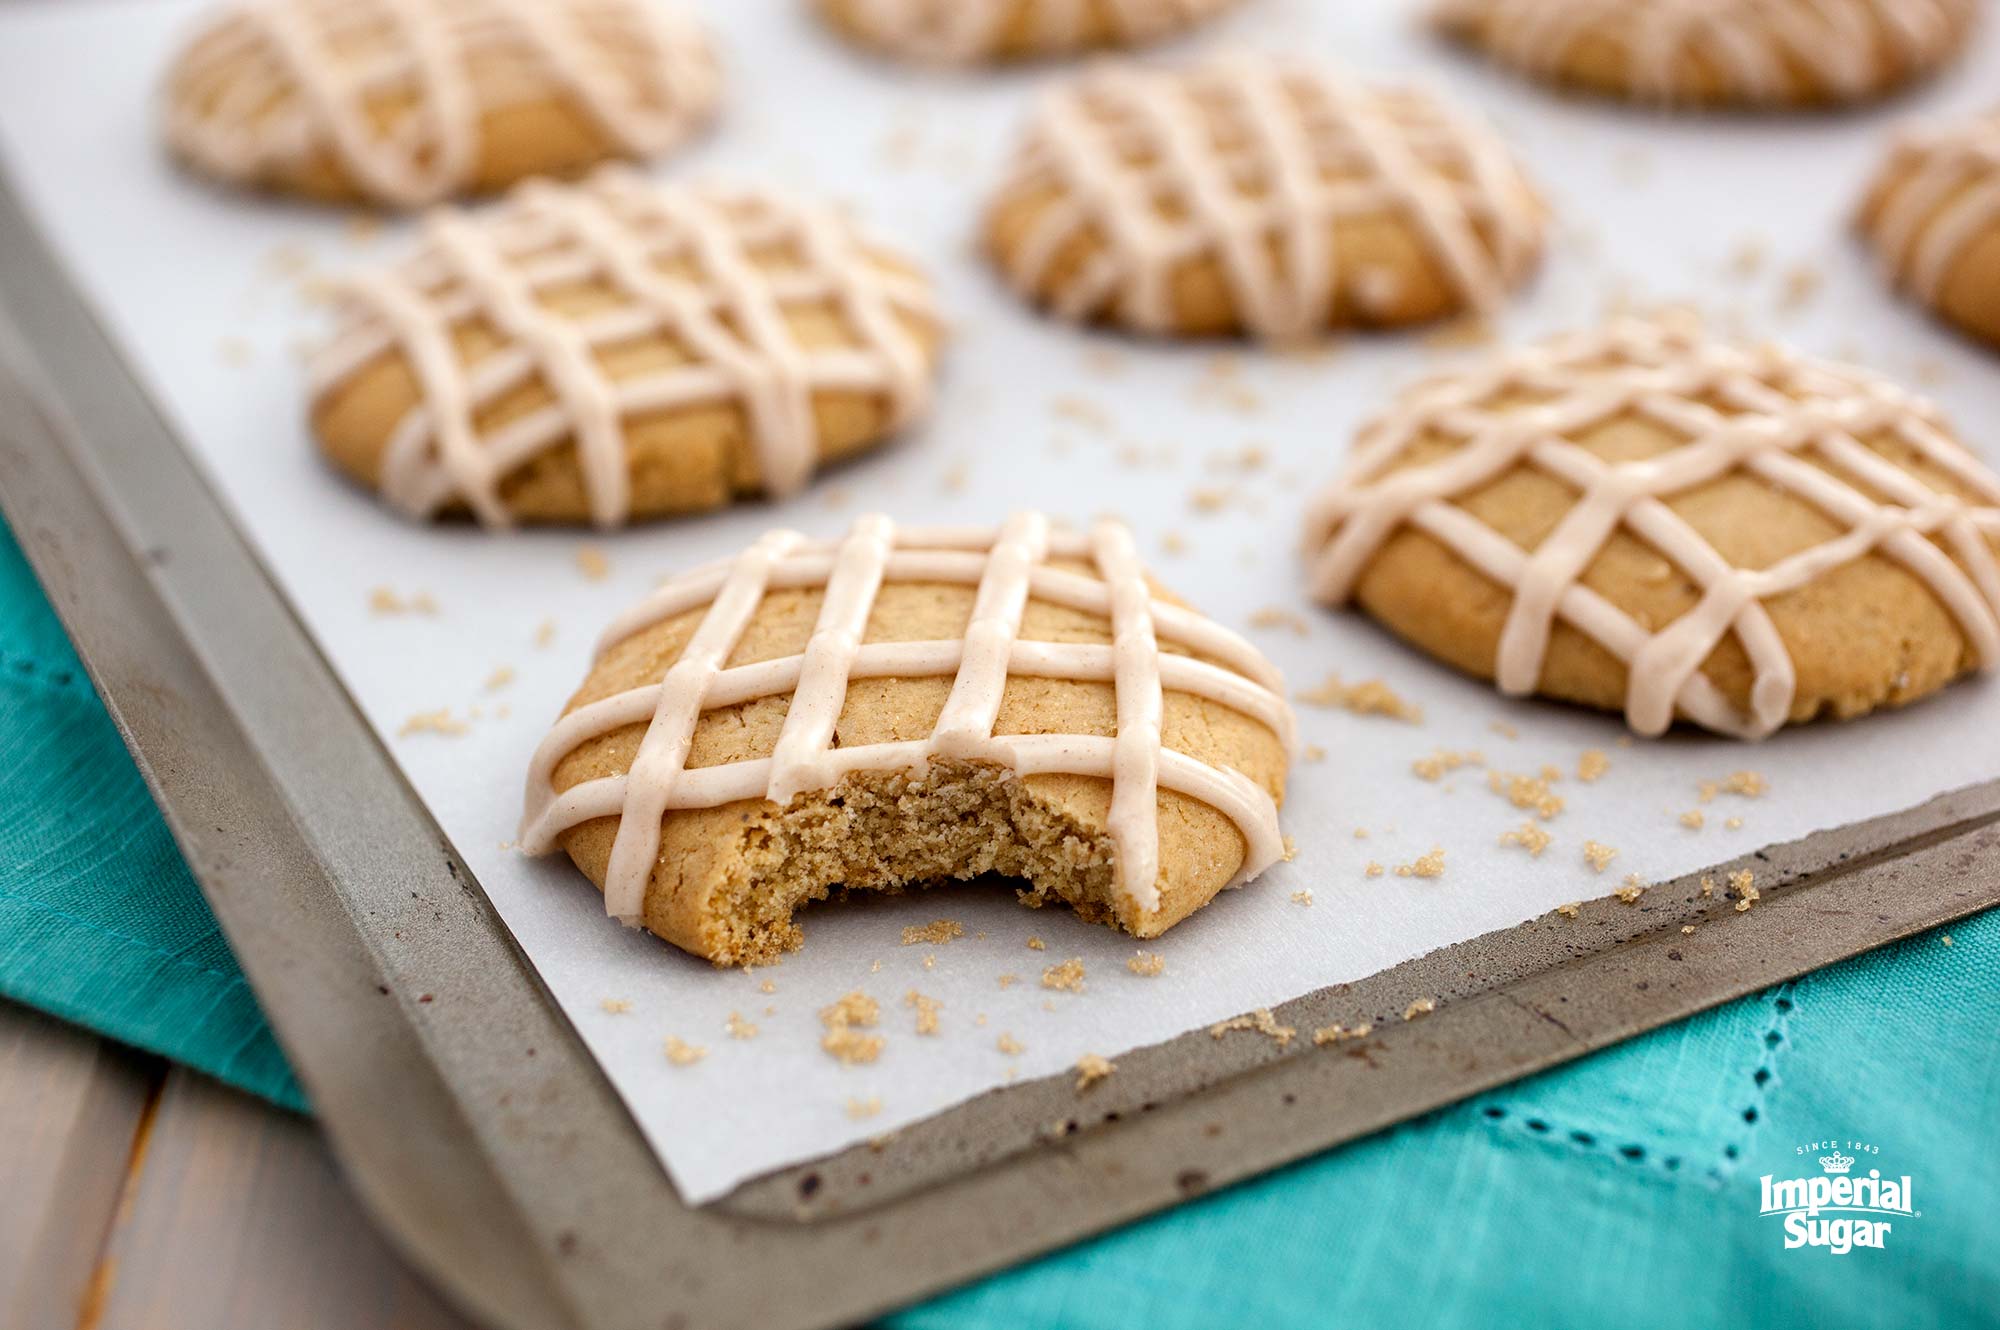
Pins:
x: 968, y: 31
x: 408, y: 102
x: 1639, y: 518
x: 1259, y: 195
x: 1933, y: 214
x: 906, y: 706
x: 619, y: 350
x: 1717, y: 53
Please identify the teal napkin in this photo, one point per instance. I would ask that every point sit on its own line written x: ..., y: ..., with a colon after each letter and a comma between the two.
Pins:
x: 1619, y: 1191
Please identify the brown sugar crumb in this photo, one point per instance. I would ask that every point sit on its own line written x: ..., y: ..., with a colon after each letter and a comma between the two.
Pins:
x: 1529, y: 837
x: 439, y: 722
x: 1569, y: 911
x: 927, y: 1009
x: 1694, y: 819
x: 1743, y: 883
x: 844, y: 1021
x: 593, y: 563
x: 1009, y: 1045
x: 1373, y: 869
x: 1066, y: 977
x: 1302, y: 898
x: 1338, y: 1033
x: 1090, y: 1069
x: 1592, y: 765
x: 864, y: 1108
x: 1528, y: 792
x: 1419, y: 1009
x: 1371, y: 697
x: 1444, y: 761
x: 1036, y: 944
x: 1260, y: 1020
x: 738, y: 1028
x: 683, y: 1054
x: 1427, y: 865
x: 1273, y: 617
x: 1598, y: 855
x: 616, y: 1006
x: 1147, y: 964
x: 937, y: 932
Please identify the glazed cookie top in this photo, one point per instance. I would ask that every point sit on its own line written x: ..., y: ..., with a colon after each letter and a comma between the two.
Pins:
x: 1744, y: 52
x: 563, y: 317
x: 404, y: 102
x: 1026, y: 558
x: 1935, y: 200
x: 1315, y: 200
x: 964, y: 31
x: 1873, y: 464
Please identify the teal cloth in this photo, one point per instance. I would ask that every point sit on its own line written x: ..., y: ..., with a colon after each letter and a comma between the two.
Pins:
x: 1619, y: 1191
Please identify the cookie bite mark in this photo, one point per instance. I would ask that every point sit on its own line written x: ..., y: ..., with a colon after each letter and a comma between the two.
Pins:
x: 905, y: 707
x: 409, y: 102
x: 618, y: 350
x: 1933, y: 217
x: 1262, y: 196
x: 1741, y: 53
x: 1642, y: 518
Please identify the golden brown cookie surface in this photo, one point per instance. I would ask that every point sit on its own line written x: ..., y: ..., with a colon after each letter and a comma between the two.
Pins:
x: 1717, y: 52
x: 1933, y: 215
x: 1642, y: 519
x: 1259, y: 195
x: 966, y: 31
x: 618, y: 350
x: 409, y: 102
x: 907, y: 706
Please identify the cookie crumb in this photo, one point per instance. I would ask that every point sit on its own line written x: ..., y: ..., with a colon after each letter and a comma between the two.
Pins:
x: 1532, y: 793
x: 1373, y: 869
x: 1338, y: 1033
x: 616, y: 1006
x: 1302, y: 898
x: 738, y: 1028
x: 439, y: 722
x: 1592, y: 765
x: 545, y: 632
x: 927, y: 1009
x: 1420, y: 1008
x: 1748, y: 784
x: 1274, y: 617
x: 1313, y: 753
x: 1694, y: 819
x: 1427, y: 865
x: 1687, y: 930
x: 1066, y: 977
x: 1707, y: 888
x: 1371, y: 697
x: 1147, y: 964
x: 1260, y: 1020
x: 1529, y: 837
x: 1570, y: 910
x: 1743, y: 883
x: 1443, y: 761
x: 1598, y: 855
x: 1504, y: 730
x: 1946, y: 939
x: 767, y: 987
x: 683, y: 1054
x: 1036, y: 944
x: 1009, y: 1045
x: 937, y: 932
x: 1634, y: 888
x: 1091, y: 1068
x: 864, y: 1108
x: 843, y: 1040
x: 593, y: 563
x: 1007, y: 981
x: 1734, y: 824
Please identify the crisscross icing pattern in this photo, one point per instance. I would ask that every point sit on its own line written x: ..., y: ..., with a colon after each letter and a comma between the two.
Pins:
x: 269, y: 83
x: 713, y: 272
x: 957, y: 31
x: 1947, y: 199
x: 1253, y: 160
x: 1777, y: 414
x: 1753, y: 46
x: 1008, y: 567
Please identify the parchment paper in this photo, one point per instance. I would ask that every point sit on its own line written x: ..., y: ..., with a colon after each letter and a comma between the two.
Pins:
x: 1746, y: 217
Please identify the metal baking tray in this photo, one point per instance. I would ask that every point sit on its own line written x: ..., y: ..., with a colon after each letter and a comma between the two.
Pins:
x: 471, y: 1119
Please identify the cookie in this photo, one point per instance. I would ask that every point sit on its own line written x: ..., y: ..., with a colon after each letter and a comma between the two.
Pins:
x: 404, y: 103
x: 1259, y: 195
x: 956, y: 32
x: 1644, y: 519
x: 1933, y: 214
x: 618, y: 350
x: 907, y: 706
x: 1717, y: 53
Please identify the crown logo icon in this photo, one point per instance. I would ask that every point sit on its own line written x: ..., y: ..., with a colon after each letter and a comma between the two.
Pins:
x: 1836, y: 1162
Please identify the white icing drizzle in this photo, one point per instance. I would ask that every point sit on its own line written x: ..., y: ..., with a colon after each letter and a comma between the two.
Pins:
x: 1314, y: 147
x: 1781, y: 410
x: 1008, y: 567
x: 691, y: 266
x: 959, y: 31
x: 286, y: 83
x: 1753, y: 46
x: 1942, y: 196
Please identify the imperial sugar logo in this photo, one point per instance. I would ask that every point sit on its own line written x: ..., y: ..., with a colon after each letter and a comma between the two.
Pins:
x: 1839, y: 1209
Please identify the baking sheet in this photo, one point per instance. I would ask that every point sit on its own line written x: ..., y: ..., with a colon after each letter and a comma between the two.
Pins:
x: 202, y: 288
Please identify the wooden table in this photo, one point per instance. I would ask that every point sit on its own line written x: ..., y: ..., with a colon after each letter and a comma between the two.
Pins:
x: 143, y: 1196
